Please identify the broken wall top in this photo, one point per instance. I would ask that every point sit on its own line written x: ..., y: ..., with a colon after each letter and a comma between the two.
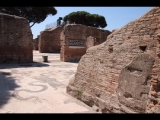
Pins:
x: 81, y: 31
x: 15, y: 30
x: 15, y: 39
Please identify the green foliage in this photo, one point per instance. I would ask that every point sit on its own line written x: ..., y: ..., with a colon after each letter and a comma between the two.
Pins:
x: 32, y: 14
x: 79, y: 93
x: 85, y: 18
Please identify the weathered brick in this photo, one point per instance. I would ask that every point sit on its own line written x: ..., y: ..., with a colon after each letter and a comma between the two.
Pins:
x: 15, y: 39
x: 78, y: 38
x: 132, y: 68
x: 49, y: 40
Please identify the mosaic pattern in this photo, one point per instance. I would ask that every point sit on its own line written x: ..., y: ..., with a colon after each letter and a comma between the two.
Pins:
x: 38, y: 87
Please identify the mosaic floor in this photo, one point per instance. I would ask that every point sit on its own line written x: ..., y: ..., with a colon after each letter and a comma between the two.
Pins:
x: 39, y: 87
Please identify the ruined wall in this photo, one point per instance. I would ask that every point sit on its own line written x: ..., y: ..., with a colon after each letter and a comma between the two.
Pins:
x: 90, y: 42
x: 73, y: 40
x: 121, y: 75
x: 15, y: 39
x: 49, y: 40
x: 36, y: 43
x: 93, y: 41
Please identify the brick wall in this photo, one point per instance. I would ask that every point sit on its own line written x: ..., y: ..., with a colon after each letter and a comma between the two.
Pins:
x: 74, y: 40
x: 15, y: 39
x: 90, y: 42
x: 36, y: 43
x: 121, y: 75
x: 49, y: 40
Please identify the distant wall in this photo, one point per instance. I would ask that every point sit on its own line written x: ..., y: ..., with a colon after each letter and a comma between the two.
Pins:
x: 15, y: 39
x: 49, y: 40
x: 36, y: 43
x: 90, y: 42
x: 74, y: 40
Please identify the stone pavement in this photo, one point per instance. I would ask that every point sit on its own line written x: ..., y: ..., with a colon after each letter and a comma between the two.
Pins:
x: 39, y: 87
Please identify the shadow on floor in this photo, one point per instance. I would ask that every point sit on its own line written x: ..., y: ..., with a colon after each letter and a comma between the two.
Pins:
x: 7, y: 84
x: 18, y: 65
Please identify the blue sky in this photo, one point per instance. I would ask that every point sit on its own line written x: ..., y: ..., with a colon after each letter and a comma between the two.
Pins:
x: 116, y: 17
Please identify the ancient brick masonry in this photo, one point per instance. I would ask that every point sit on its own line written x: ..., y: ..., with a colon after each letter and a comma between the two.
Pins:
x: 154, y: 94
x: 74, y: 40
x: 49, y: 40
x: 15, y: 39
x: 36, y: 43
x: 122, y: 74
x: 90, y: 42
